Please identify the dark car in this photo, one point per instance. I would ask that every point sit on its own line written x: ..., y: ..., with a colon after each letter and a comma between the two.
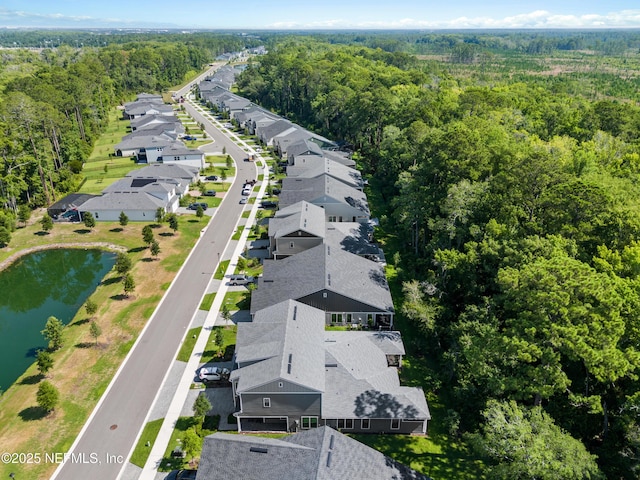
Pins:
x: 194, y: 206
x: 189, y: 137
x: 212, y: 178
x: 268, y: 204
x: 186, y: 474
x: 210, y: 193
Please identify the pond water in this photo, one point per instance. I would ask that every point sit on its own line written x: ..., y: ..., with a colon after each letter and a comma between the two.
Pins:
x: 39, y: 285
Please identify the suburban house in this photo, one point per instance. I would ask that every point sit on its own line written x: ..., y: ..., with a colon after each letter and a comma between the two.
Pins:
x: 290, y: 374
x: 177, y: 152
x: 348, y: 288
x: 303, y: 148
x: 266, y: 133
x: 140, y: 108
x: 70, y: 202
x: 166, y: 129
x: 341, y: 202
x: 283, y: 141
x: 295, y: 229
x: 169, y: 123
x: 142, y: 192
x: 302, y: 226
x: 321, y: 166
x: 146, y: 148
x: 318, y: 454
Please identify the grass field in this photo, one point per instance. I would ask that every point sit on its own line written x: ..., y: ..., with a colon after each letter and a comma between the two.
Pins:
x: 149, y: 434
x: 187, y: 346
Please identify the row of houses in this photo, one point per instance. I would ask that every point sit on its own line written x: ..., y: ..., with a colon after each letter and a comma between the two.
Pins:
x: 156, y: 134
x: 290, y: 372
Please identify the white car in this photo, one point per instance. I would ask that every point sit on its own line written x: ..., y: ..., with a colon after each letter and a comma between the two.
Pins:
x: 213, y: 374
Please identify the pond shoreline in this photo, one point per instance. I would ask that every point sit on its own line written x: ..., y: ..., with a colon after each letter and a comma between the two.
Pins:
x: 87, y: 245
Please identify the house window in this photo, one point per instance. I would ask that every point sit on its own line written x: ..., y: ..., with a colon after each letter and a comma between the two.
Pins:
x: 365, y: 424
x: 332, y: 218
x: 291, y: 245
x: 336, y: 318
x: 349, y: 317
x: 266, y: 402
x: 395, y: 424
x: 309, y: 422
x: 345, y: 423
x: 280, y: 384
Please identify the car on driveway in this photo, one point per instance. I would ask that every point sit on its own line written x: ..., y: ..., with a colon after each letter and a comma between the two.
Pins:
x: 186, y: 474
x: 246, y: 192
x: 194, y: 206
x: 213, y: 374
x: 210, y: 193
x: 212, y: 178
x: 243, y: 201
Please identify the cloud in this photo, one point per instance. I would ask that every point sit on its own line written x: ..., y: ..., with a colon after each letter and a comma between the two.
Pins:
x: 535, y: 19
x: 13, y: 18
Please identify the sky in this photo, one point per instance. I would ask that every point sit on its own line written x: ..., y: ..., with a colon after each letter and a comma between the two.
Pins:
x: 320, y: 14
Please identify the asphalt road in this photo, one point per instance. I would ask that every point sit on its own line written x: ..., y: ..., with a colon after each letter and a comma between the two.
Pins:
x: 101, y: 450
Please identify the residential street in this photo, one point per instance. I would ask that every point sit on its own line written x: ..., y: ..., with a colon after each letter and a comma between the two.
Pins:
x: 101, y: 450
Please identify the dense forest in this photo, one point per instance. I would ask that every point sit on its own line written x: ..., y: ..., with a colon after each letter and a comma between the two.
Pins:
x: 55, y: 101
x: 510, y: 205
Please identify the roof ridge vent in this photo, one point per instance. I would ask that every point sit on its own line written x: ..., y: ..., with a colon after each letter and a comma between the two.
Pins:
x: 259, y: 450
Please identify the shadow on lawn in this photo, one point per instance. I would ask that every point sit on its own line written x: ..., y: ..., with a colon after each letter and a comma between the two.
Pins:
x: 32, y: 413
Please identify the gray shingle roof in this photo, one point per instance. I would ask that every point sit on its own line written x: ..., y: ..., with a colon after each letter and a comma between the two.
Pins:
x: 352, y: 237
x: 297, y: 335
x: 322, y: 268
x: 305, y: 146
x: 359, y: 388
x: 315, y: 190
x: 313, y: 169
x: 120, y: 201
x: 144, y: 141
x: 168, y: 170
x: 303, y: 216
x: 316, y: 454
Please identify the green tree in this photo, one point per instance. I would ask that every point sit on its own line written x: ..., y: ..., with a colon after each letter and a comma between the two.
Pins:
x: 24, y: 214
x: 129, y: 284
x: 191, y: 443
x: 95, y: 331
x: 90, y: 307
x: 241, y: 264
x: 199, y: 212
x: 53, y: 333
x: 89, y: 221
x: 225, y: 313
x: 229, y: 161
x: 160, y: 213
x: 218, y: 338
x: 147, y: 234
x: 5, y: 237
x: 173, y: 222
x: 44, y: 361
x: 46, y: 223
x: 47, y: 396
x: 525, y: 444
x: 154, y: 248
x: 124, y: 219
x: 201, y: 405
x: 123, y: 263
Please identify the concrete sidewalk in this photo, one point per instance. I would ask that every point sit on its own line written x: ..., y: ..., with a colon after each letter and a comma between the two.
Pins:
x: 181, y: 391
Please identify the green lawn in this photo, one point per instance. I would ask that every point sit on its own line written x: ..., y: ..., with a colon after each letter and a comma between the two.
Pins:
x: 149, y: 434
x: 219, y: 275
x: 207, y: 301
x: 238, y: 233
x: 239, y: 300
x: 183, y: 424
x: 225, y: 353
x: 189, y: 342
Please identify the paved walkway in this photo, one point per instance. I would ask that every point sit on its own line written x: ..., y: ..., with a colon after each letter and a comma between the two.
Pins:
x: 175, y: 398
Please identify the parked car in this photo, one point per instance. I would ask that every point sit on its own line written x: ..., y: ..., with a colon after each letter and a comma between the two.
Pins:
x: 243, y: 201
x: 240, y: 279
x: 269, y: 204
x: 210, y: 193
x: 186, y: 474
x: 213, y: 178
x: 228, y: 125
x: 213, y: 374
x: 246, y: 192
x: 189, y: 137
x: 276, y: 191
x: 194, y: 206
